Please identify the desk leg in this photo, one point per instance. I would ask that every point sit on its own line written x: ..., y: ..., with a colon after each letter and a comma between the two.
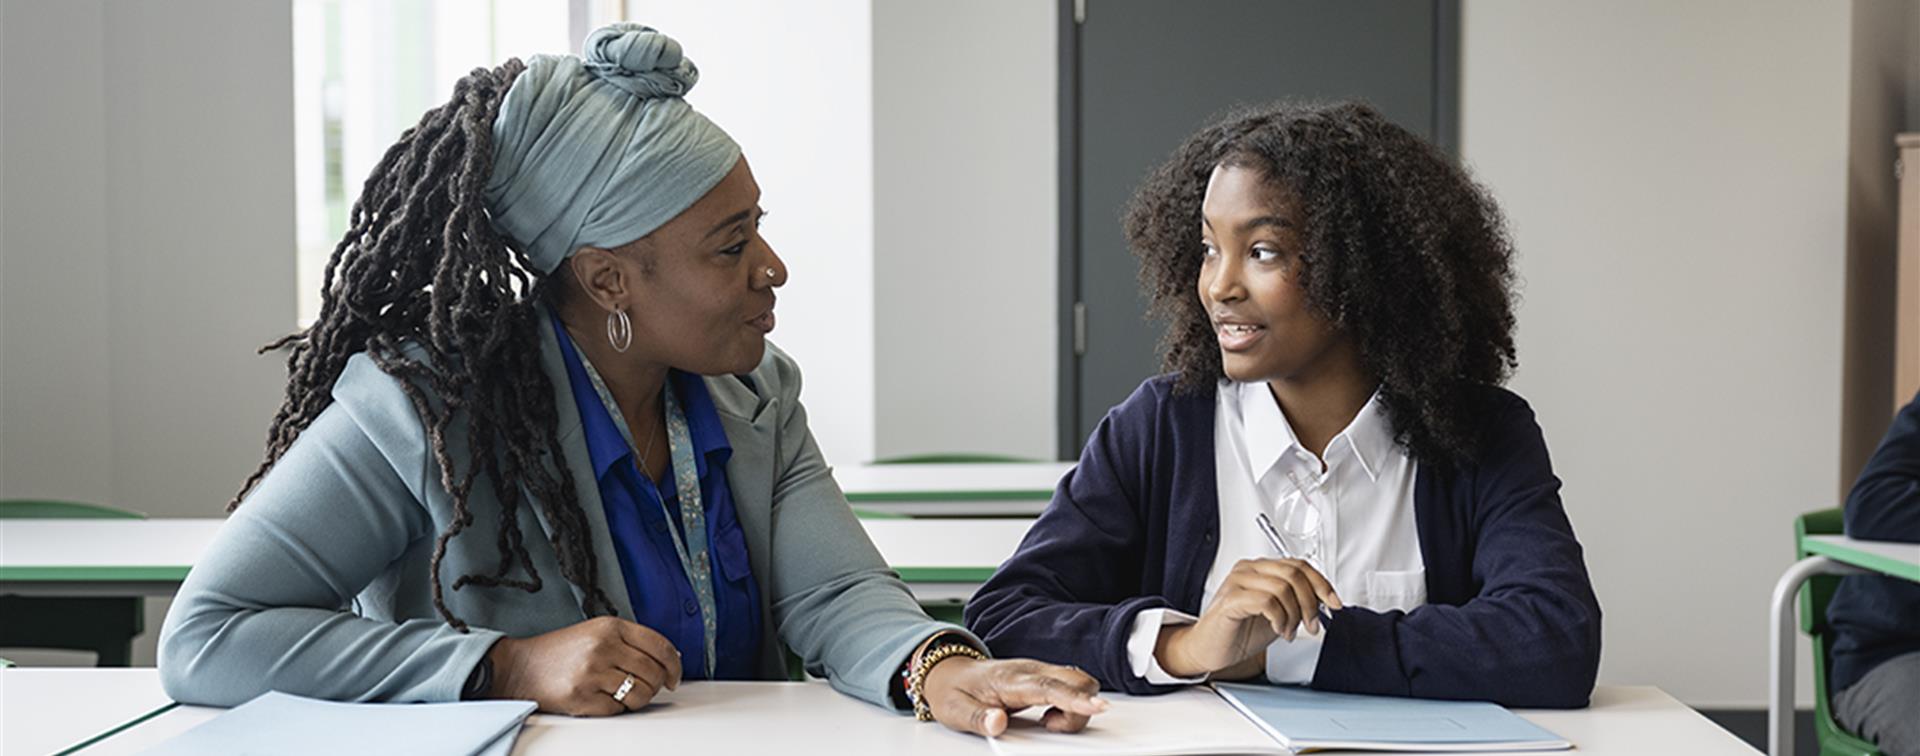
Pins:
x: 1786, y: 594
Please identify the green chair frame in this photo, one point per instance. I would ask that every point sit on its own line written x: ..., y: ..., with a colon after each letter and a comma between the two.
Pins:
x: 1834, y: 739
x: 105, y: 625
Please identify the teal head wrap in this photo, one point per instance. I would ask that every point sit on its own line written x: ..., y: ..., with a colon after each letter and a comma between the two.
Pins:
x: 600, y: 150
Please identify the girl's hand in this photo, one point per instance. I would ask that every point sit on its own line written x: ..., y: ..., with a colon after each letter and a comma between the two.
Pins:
x: 1261, y: 599
x: 576, y: 670
x: 976, y: 696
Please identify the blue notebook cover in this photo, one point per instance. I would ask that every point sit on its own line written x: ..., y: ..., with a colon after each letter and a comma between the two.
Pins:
x: 1308, y: 720
x: 279, y: 723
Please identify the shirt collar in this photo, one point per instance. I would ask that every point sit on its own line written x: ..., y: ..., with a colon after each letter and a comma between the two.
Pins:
x: 607, y: 443
x: 703, y: 420
x: 1270, y: 438
x: 1370, y: 436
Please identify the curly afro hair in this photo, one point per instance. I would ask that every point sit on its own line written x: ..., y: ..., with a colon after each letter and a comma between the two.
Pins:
x: 1404, y: 254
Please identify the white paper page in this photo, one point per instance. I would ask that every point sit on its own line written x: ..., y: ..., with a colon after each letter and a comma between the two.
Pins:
x: 1191, y: 721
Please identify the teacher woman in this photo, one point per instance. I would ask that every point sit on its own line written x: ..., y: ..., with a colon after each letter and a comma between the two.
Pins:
x: 537, y: 446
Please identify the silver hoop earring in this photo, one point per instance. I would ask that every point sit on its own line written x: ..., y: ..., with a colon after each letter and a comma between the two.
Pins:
x: 619, y: 330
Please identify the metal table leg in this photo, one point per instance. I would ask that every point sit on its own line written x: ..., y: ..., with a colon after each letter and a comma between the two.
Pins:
x: 1786, y: 594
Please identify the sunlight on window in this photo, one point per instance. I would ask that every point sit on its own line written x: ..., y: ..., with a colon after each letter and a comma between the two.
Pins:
x: 364, y: 72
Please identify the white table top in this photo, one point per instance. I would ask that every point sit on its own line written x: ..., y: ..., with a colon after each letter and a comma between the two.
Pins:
x: 105, y: 543
x: 923, y: 544
x: 801, y: 719
x: 1027, y: 478
x: 174, y: 545
x: 47, y: 710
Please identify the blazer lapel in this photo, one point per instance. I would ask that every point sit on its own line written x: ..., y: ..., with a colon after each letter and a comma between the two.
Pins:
x: 586, y: 487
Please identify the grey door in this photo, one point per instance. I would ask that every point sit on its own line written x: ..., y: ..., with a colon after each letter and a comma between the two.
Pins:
x: 1138, y: 76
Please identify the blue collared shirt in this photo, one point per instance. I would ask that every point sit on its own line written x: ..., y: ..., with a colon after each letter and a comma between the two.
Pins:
x: 663, y: 597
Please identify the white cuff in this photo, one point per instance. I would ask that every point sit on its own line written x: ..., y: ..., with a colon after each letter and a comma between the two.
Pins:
x: 1146, y: 635
x: 1294, y: 662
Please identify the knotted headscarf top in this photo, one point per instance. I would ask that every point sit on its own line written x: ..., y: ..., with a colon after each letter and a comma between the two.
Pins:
x: 601, y: 150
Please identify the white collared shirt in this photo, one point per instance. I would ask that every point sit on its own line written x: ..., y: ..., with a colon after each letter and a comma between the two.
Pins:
x: 1368, y: 546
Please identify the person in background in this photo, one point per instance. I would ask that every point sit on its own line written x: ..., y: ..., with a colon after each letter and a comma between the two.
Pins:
x: 537, y: 446
x: 1329, y: 487
x: 1876, y: 618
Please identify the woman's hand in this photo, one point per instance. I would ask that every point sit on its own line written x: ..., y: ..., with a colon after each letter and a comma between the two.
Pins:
x: 576, y: 670
x: 976, y: 696
x: 1261, y: 599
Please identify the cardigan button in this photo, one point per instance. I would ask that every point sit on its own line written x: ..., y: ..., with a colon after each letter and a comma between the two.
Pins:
x: 690, y: 606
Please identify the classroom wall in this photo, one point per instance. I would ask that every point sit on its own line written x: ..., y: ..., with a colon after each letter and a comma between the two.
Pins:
x: 55, y: 408
x: 1675, y: 177
x: 966, y: 202
x: 795, y: 88
x: 896, y: 207
x: 941, y: 204
x: 3, y: 245
x: 148, y: 196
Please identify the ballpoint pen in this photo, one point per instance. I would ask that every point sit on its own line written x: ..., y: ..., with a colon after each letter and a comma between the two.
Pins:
x: 1273, y: 537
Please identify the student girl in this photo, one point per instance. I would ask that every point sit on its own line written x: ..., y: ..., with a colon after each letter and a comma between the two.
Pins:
x: 536, y: 446
x: 1329, y: 487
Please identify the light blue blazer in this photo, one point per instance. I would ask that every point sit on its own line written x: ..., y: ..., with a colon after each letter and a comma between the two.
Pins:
x: 318, y: 584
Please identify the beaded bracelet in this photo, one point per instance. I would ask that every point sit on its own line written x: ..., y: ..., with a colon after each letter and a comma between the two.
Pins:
x: 917, y: 681
x: 913, y: 661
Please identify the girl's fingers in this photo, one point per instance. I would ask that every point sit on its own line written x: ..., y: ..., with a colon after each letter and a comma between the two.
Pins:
x: 1306, y: 604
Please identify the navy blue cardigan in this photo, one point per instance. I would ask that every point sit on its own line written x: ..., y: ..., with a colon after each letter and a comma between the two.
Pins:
x: 1511, y: 616
x: 1875, y: 617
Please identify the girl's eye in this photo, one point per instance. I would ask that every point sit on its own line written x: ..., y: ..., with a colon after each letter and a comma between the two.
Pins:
x: 735, y: 249
x: 1208, y: 250
x: 1266, y: 254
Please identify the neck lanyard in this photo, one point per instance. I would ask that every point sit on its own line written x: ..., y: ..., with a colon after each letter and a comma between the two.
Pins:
x: 692, y: 549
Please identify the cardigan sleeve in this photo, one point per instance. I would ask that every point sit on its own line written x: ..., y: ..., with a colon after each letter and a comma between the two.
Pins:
x: 1885, y: 503
x: 1530, y: 637
x: 1070, y: 593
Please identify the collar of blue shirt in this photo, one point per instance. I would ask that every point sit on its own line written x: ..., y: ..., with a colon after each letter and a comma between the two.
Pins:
x: 608, y: 447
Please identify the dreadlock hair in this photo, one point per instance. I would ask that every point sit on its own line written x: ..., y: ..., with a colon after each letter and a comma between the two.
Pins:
x: 421, y: 266
x: 1404, y: 253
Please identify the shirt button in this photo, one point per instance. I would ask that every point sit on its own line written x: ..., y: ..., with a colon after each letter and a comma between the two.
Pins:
x: 659, y: 526
x: 690, y: 606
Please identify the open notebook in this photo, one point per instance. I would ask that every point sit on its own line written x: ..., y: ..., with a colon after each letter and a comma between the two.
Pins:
x: 1265, y: 719
x: 279, y: 723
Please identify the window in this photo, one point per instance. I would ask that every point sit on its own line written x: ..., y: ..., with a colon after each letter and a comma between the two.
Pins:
x: 365, y: 71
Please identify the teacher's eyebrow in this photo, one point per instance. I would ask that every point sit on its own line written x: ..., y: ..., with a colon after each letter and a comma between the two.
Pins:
x: 729, y: 222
